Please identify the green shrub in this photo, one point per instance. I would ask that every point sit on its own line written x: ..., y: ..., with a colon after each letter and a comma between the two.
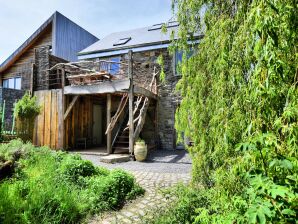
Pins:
x: 73, y: 168
x: 182, y: 209
x: 56, y: 187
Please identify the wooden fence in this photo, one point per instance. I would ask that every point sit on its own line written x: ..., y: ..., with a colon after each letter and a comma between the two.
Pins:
x: 49, y: 123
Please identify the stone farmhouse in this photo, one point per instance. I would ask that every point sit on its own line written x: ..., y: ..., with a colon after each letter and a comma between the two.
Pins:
x: 102, y: 93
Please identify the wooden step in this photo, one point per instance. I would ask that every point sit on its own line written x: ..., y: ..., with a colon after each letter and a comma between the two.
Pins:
x: 117, y: 147
x: 121, y: 142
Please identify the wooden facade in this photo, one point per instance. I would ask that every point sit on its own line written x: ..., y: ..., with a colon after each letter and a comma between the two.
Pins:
x: 47, y: 123
x: 22, y: 67
x: 57, y: 40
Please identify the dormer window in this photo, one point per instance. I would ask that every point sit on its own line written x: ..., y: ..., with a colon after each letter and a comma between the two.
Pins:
x: 122, y: 41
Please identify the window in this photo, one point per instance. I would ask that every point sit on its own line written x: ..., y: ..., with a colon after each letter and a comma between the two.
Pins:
x: 178, y: 59
x: 155, y: 27
x: 12, y: 83
x: 115, y: 67
x: 122, y: 41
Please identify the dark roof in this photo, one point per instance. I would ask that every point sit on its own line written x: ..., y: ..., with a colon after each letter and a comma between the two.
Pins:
x: 146, y: 36
x: 28, y: 43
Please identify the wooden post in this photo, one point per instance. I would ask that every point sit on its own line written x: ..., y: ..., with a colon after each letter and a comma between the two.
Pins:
x: 109, y: 133
x: 130, y: 96
x: 32, y: 79
x: 61, y: 124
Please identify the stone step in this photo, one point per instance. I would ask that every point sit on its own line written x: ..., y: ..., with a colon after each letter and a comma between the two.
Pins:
x: 115, y: 158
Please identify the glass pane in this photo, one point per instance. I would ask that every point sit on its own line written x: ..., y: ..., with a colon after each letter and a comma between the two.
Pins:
x: 179, y: 55
x: 115, y: 67
x: 5, y: 83
x: 18, y: 82
x: 11, y: 83
x: 178, y: 60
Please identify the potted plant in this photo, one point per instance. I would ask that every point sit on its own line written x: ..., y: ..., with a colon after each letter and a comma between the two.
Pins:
x: 140, y: 150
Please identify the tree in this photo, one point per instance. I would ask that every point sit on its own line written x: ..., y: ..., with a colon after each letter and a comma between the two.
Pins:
x: 240, y: 106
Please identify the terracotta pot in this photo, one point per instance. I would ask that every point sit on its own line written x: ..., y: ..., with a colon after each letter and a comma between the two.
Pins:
x: 140, y: 151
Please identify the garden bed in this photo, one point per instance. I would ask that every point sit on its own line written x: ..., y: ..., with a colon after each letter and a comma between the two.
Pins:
x: 45, y: 186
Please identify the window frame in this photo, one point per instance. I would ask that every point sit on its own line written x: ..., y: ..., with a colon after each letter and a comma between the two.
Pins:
x: 176, y: 62
x: 7, y: 82
x: 117, y: 70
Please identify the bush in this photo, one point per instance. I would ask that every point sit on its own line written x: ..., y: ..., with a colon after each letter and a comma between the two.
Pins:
x: 56, y: 187
x: 182, y: 209
x: 25, y: 112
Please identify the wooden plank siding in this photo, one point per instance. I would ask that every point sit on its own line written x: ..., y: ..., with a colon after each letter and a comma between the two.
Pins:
x: 22, y: 67
x: 69, y: 38
x: 79, y: 122
x: 46, y: 131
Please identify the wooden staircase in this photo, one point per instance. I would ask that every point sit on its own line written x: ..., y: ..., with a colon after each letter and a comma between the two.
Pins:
x: 121, y: 140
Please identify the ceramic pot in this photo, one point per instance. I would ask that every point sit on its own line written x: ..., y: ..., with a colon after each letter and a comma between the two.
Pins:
x: 140, y: 151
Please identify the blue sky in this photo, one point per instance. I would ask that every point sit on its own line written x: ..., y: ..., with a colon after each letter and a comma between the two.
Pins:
x: 20, y: 18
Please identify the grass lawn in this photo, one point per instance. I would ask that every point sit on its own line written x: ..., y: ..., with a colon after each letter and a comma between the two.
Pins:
x: 46, y: 186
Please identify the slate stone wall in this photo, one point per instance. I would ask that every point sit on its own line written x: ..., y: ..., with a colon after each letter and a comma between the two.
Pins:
x: 160, y: 131
x: 168, y: 100
x: 10, y: 96
x: 42, y: 64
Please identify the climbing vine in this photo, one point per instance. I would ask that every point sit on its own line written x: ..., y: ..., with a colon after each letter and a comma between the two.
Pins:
x: 240, y: 107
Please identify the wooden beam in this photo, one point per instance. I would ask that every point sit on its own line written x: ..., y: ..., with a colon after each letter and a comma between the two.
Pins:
x: 100, y: 88
x: 130, y: 96
x: 61, y: 111
x: 145, y: 92
x: 109, y: 133
x: 74, y: 100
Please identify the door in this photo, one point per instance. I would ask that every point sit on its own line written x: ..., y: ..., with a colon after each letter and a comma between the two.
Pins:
x: 97, y: 124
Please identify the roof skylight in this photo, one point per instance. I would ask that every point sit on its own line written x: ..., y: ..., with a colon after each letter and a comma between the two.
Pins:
x: 122, y: 41
x: 155, y: 27
x: 173, y: 24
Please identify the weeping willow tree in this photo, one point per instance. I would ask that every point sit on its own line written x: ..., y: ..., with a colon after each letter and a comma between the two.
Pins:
x: 25, y: 112
x: 240, y: 107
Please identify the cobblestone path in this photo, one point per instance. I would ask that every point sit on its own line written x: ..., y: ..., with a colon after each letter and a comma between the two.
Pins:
x: 153, y: 199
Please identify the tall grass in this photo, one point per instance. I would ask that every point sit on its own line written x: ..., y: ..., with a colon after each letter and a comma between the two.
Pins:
x: 56, y: 187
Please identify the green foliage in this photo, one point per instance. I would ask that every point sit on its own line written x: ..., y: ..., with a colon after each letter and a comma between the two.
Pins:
x: 140, y: 141
x: 27, y: 107
x: 160, y: 62
x: 240, y: 103
x: 183, y: 208
x: 56, y: 187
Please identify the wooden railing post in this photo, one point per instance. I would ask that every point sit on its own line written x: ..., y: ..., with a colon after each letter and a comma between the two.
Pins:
x: 130, y: 96
x: 109, y: 133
